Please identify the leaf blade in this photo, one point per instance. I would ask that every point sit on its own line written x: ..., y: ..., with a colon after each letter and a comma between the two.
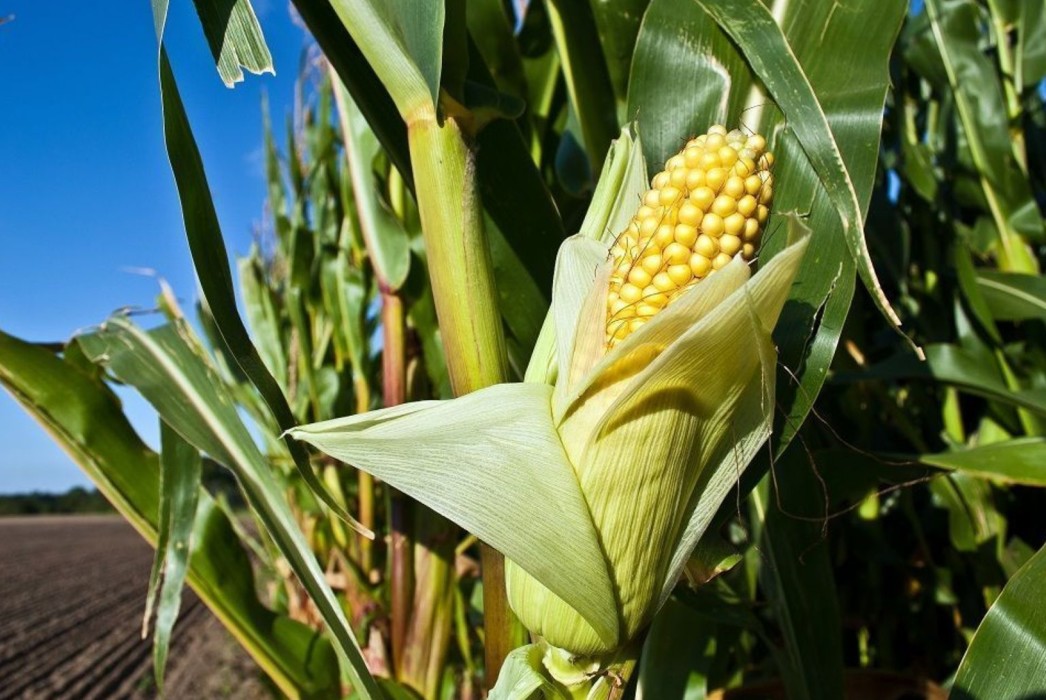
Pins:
x: 163, y: 365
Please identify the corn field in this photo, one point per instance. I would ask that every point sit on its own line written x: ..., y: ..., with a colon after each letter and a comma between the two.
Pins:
x: 650, y: 349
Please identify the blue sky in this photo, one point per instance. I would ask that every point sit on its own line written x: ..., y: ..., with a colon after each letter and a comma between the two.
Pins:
x: 86, y: 193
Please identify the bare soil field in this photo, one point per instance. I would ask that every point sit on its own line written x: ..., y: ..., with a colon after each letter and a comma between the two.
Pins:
x: 72, y: 595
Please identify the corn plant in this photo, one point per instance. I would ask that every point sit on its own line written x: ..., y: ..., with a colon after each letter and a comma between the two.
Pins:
x: 552, y: 289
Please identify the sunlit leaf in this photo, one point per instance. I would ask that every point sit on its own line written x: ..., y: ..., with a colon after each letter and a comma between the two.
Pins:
x: 1020, y: 461
x: 84, y: 417
x: 1007, y: 657
x: 163, y: 365
x: 212, y: 270
x: 180, y: 471
x: 403, y: 43
x: 470, y: 460
x: 235, y: 38
x: 384, y: 234
x: 826, y: 126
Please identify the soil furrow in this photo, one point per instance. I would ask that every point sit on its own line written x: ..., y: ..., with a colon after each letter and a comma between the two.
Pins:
x: 88, y: 641
x: 71, y: 599
x: 95, y: 618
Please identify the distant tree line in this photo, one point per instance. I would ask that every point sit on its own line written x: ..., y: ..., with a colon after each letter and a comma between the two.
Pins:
x: 75, y: 500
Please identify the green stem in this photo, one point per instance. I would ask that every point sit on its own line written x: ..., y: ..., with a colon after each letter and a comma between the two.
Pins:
x: 459, y: 259
x: 466, y: 304
x: 401, y: 556
x: 365, y: 485
x: 428, y: 637
x: 1004, y: 54
x: 503, y: 631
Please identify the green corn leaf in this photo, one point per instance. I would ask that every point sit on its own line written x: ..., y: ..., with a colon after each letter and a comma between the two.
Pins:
x: 403, y: 42
x: 345, y: 296
x: 84, y: 417
x: 1031, y: 45
x: 489, y: 27
x: 983, y: 119
x: 956, y: 366
x: 235, y: 38
x: 521, y: 302
x: 587, y: 77
x: 618, y: 23
x: 976, y: 295
x: 677, y: 655
x: 973, y: 518
x: 164, y: 366
x: 1013, y: 296
x: 180, y: 471
x: 753, y: 27
x: 1019, y: 461
x: 1007, y: 657
x: 386, y: 239
x: 504, y: 168
x: 212, y: 268
x: 492, y: 462
x: 798, y: 577
x: 830, y: 50
x: 262, y: 315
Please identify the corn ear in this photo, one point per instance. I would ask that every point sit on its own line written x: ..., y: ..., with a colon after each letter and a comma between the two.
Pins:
x: 598, y: 488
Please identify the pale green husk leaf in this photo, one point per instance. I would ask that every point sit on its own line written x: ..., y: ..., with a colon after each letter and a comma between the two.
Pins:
x: 523, y: 674
x: 492, y: 462
x: 618, y: 193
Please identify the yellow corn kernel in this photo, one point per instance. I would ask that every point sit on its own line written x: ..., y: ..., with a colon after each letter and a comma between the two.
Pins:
x: 712, y: 224
x: 752, y: 230
x: 724, y: 205
x: 734, y: 187
x: 746, y: 205
x: 721, y: 261
x: 651, y: 295
x: 639, y: 277
x: 706, y: 246
x: 680, y: 274
x: 729, y: 245
x: 703, y: 197
x: 651, y: 264
x: 716, y: 178
x: 629, y: 293
x: 695, y: 178
x: 664, y: 235
x: 690, y: 213
x: 676, y: 253
x: 663, y: 283
x: 685, y: 235
x: 644, y: 310
x: 700, y: 266
x: 753, y: 183
x: 669, y: 195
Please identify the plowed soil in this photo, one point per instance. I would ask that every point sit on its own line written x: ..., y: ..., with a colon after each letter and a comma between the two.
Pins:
x: 72, y: 595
